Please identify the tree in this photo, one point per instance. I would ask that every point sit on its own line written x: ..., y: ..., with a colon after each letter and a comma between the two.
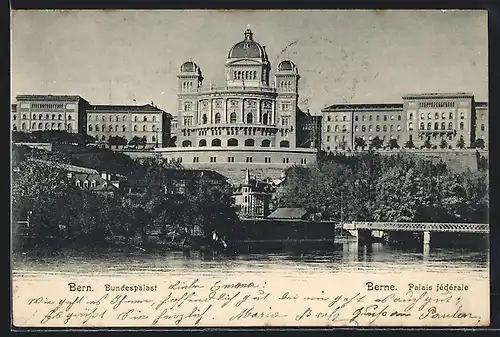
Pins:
x: 479, y: 144
x: 443, y: 144
x: 359, y: 143
x: 461, y: 143
x: 135, y: 142
x: 409, y: 144
x: 393, y: 144
x: 376, y: 143
x: 427, y: 143
x: 142, y: 142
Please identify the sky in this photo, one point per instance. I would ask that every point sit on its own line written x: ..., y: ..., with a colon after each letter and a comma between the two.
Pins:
x: 343, y: 56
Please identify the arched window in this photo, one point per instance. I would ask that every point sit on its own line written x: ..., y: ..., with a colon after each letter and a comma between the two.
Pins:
x: 328, y: 129
x: 103, y: 137
x: 110, y: 118
x: 370, y: 117
x: 40, y: 126
x: 284, y: 143
x: 391, y: 128
x: 443, y: 115
x: 135, y: 118
x: 135, y: 127
x: 59, y: 126
x: 69, y: 117
x: 363, y: 128
x: 232, y: 142
x: 186, y: 143
x: 144, y: 128
x: 145, y: 118
x: 46, y: 116
x: 217, y: 118
x: 436, y: 116
x: 462, y: 115
x: 204, y: 118
x: 451, y: 115
x: 104, y: 127
x: 234, y: 75
x: 153, y: 138
x: 97, y: 127
x: 90, y: 127
x: 422, y: 126
x: 266, y: 143
x: 443, y: 126
x: 356, y: 118
x: 429, y: 126
x: 117, y: 119
x: 216, y: 142
x: 336, y: 118
x: 429, y: 115
x: 336, y: 128
x: 344, y: 118
x: 254, y: 75
x: 265, y: 118
x: 399, y: 117
x: 69, y: 128
x: 59, y: 117
x: 411, y: 116
x: 124, y: 128
x: 46, y: 126
x: 202, y: 142
x: 356, y: 128
x: 111, y: 128
x: 377, y: 128
x: 436, y: 126
x: 232, y: 117
x: 384, y: 128
x: 53, y: 116
x: 329, y: 118
x: 461, y: 125
x: 249, y: 142
x: 450, y: 125
x: 40, y: 116
x: 249, y: 118
x: 33, y: 126
x: 410, y: 126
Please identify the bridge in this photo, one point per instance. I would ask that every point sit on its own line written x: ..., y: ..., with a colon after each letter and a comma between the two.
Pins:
x: 449, y: 227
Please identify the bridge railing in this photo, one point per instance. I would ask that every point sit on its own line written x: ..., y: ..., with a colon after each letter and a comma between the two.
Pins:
x: 421, y: 226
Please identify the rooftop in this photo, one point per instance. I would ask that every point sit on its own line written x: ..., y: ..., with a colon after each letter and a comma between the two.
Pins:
x: 288, y: 213
x: 439, y: 95
x: 147, y: 108
x: 355, y: 106
x: 50, y: 97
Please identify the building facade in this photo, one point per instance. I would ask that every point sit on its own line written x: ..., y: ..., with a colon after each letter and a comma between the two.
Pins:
x: 439, y: 118
x: 253, y: 197
x: 129, y: 121
x: 50, y: 112
x: 247, y: 113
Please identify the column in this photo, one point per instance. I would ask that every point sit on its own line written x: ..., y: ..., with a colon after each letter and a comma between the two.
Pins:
x: 273, y: 111
x: 210, y: 117
x: 225, y: 120
x: 242, y: 110
x: 427, y: 238
x: 259, y: 117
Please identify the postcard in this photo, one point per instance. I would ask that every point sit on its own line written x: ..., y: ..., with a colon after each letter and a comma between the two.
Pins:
x: 249, y: 168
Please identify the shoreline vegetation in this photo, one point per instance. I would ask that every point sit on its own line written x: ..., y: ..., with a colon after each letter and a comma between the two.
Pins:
x: 374, y: 187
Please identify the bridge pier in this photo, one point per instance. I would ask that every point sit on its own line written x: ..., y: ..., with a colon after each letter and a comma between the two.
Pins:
x: 427, y: 238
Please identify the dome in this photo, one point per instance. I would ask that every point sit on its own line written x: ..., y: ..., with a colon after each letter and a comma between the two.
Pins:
x: 247, y: 48
x: 286, y: 65
x: 189, y: 67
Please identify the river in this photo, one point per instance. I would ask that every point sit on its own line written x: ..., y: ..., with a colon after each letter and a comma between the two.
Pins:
x: 345, y: 258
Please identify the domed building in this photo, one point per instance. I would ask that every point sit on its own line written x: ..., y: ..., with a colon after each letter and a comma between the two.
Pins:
x: 248, y: 120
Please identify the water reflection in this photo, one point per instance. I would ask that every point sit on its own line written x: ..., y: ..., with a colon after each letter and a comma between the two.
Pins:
x: 375, y: 257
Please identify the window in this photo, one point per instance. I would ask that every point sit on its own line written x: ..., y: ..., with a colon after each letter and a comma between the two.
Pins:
x: 370, y: 128
x: 443, y: 115
x: 53, y: 116
x: 249, y: 159
x: 284, y: 143
x: 33, y: 126
x: 410, y: 116
x: 429, y: 126
x: 344, y: 118
x: 422, y: 126
x: 482, y: 127
x: 266, y: 143
x: 153, y: 138
x: 249, y: 142
x: 267, y: 159
x: 443, y: 126
x: 327, y: 138
x: 186, y: 143
x: 377, y: 128
x: 124, y: 128
x: 249, y: 118
x: 232, y: 117
x: 356, y: 128
x: 356, y: 118
x: 436, y: 116
x: 111, y: 128
x: 328, y: 129
x: 24, y: 116
x: 399, y: 128
x: 217, y: 118
x: 143, y: 128
x: 285, y: 160
x: 450, y: 125
x: 436, y: 126
x: 385, y: 117
x: 213, y: 159
x: 202, y: 142
x: 362, y: 118
x: 429, y: 116
x: 370, y: 118
x: 230, y: 159
x: 462, y: 115
x: 70, y: 127
x: 265, y: 118
x: 40, y: 126
x: 329, y: 118
x: 451, y: 115
x: 336, y: 128
x: 46, y: 116
x: 232, y: 142
x: 363, y: 128
x: 384, y: 128
x: 135, y: 118
x: 461, y: 125
x: 135, y: 128
x: 59, y: 117
x: 204, y: 119
x: 216, y: 142
x: 145, y: 119
x: 188, y: 106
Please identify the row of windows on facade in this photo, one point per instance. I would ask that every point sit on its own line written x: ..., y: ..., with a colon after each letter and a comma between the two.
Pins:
x: 40, y: 126
x: 48, y: 106
x: 233, y: 131
x: 285, y: 160
x: 245, y: 75
x: 234, y: 142
x: 117, y: 118
x: 437, y: 126
x: 343, y: 138
x: 363, y: 128
x: 187, y: 85
x: 188, y: 121
x: 104, y: 137
x: 285, y: 106
x: 363, y: 118
x: 124, y: 128
x: 437, y: 104
x: 47, y: 116
x: 436, y: 115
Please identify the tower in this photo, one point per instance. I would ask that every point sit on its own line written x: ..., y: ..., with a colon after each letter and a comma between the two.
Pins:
x: 190, y: 80
x: 287, y: 81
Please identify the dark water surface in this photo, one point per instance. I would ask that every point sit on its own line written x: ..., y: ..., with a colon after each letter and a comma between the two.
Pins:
x: 375, y: 258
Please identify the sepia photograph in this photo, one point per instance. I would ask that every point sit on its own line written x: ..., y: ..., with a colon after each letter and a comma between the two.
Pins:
x: 249, y: 168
